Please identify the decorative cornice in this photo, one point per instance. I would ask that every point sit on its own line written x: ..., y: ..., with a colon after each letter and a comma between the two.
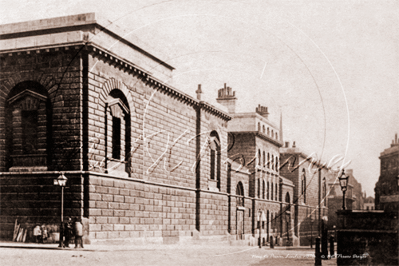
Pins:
x: 121, y: 63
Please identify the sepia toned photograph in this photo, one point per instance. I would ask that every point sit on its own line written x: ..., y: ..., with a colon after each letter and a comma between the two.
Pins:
x: 199, y: 132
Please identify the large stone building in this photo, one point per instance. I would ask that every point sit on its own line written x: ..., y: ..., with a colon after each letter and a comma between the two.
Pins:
x: 144, y: 161
x: 387, y: 187
x: 254, y: 142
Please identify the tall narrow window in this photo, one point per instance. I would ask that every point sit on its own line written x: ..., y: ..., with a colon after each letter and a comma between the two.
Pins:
x: 268, y: 160
x: 271, y: 193
x: 276, y: 191
x: 258, y: 188
x: 264, y: 159
x: 29, y: 121
x: 259, y: 126
x: 215, y: 157
x: 259, y: 157
x: 263, y: 190
x: 272, y: 162
x: 116, y: 137
x: 267, y: 190
x: 240, y: 193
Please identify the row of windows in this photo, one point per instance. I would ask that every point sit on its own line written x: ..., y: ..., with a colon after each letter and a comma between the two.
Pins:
x: 268, y: 132
x: 268, y: 161
x: 269, y: 190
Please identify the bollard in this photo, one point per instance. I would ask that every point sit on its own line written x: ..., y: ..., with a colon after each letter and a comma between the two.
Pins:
x: 332, y: 249
x: 317, y: 252
x: 271, y: 242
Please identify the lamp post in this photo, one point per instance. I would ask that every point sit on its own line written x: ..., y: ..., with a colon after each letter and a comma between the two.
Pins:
x: 343, y: 182
x: 311, y: 230
x: 61, y: 181
x: 260, y: 228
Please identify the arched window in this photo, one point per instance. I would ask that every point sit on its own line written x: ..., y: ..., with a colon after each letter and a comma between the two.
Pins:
x: 240, y: 194
x: 259, y: 126
x: 268, y: 131
x: 277, y: 136
x: 263, y: 128
x: 287, y: 198
x: 272, y: 133
x: 263, y: 190
x: 258, y: 188
x: 215, y: 157
x: 259, y: 157
x: 28, y: 125
x: 268, y: 160
x: 118, y: 126
x: 267, y: 190
x: 276, y: 191
x: 303, y: 185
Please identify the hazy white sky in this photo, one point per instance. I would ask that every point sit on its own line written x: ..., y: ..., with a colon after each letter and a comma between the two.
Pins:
x: 330, y: 67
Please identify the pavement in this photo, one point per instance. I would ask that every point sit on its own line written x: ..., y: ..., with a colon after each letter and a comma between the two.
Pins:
x: 15, y: 253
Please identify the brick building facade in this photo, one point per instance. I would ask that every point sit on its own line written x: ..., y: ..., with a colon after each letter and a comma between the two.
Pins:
x: 254, y: 142
x: 309, y: 177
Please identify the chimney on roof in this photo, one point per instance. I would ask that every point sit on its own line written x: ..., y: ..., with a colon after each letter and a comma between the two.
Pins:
x: 226, y: 97
x: 199, y: 92
x: 262, y: 110
x: 395, y: 141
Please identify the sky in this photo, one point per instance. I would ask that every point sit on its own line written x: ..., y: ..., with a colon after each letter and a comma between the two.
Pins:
x: 330, y: 68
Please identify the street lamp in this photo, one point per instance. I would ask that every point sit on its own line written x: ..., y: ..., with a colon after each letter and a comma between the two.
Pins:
x: 311, y: 230
x: 343, y: 182
x: 260, y: 228
x: 61, y: 181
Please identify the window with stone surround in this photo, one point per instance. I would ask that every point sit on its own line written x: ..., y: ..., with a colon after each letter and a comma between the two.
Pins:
x: 118, y: 131
x: 258, y: 188
x: 267, y: 190
x: 271, y: 193
x: 264, y: 158
x: 240, y: 194
x: 28, y: 127
x: 263, y: 190
x: 215, y: 160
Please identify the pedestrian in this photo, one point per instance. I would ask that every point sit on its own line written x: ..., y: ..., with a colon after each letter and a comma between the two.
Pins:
x: 78, y: 232
x: 37, y: 232
x: 44, y: 233
x: 67, y: 232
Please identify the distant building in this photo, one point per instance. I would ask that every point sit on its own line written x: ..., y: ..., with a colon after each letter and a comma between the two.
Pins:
x: 353, y: 196
x: 369, y: 204
x: 387, y: 187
